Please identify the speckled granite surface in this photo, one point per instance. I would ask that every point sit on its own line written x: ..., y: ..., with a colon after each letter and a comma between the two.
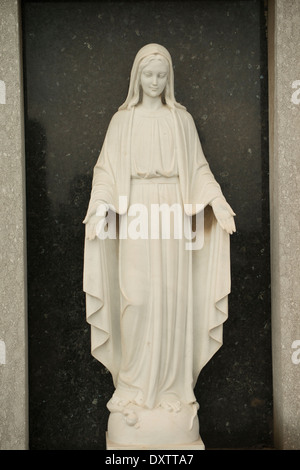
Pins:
x: 13, y: 360
x: 78, y: 57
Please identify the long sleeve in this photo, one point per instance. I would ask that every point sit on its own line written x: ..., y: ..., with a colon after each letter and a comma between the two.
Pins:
x: 103, y: 184
x: 197, y: 181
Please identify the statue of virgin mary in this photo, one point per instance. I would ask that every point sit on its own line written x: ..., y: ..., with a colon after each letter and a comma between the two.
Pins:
x: 156, y: 308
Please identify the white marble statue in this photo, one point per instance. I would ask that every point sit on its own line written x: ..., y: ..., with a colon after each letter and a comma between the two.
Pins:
x: 156, y: 306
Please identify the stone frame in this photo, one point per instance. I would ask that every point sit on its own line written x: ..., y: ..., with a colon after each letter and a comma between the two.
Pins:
x: 284, y: 118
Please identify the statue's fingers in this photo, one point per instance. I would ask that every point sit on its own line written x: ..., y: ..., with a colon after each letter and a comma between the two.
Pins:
x: 228, y: 227
x: 90, y: 231
x: 231, y: 226
x: 230, y: 210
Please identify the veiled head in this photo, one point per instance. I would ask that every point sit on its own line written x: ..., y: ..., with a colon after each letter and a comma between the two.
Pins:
x: 149, y: 53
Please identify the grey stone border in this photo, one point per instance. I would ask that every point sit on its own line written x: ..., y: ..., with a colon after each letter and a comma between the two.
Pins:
x: 284, y: 88
x: 13, y: 317
x: 284, y: 102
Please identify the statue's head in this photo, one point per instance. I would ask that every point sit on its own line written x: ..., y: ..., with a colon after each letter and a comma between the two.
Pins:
x: 149, y: 56
x: 154, y: 65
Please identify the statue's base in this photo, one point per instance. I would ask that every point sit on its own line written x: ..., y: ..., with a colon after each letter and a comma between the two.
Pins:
x: 144, y: 428
x: 196, y: 445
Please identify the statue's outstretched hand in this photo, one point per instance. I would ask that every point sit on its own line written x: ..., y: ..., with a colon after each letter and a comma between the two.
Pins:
x: 93, y: 226
x: 224, y: 214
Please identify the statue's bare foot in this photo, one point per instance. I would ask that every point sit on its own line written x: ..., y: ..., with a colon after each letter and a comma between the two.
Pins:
x: 117, y: 404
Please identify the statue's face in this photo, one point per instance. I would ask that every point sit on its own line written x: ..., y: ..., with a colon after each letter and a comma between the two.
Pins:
x: 154, y: 77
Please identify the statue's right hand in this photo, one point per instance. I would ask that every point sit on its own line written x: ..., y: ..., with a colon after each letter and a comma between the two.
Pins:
x: 93, y: 226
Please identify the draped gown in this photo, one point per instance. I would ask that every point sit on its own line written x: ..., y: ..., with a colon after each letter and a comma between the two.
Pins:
x: 155, y: 276
x: 156, y: 309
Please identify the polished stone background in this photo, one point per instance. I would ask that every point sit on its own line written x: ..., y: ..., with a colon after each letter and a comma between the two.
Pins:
x: 77, y: 61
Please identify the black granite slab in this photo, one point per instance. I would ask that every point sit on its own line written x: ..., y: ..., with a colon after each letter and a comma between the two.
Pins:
x: 77, y: 61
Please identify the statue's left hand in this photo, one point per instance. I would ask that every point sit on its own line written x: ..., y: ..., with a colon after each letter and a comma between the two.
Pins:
x: 224, y: 215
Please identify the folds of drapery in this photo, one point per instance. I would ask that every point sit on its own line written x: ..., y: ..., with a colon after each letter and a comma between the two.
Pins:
x: 210, y: 265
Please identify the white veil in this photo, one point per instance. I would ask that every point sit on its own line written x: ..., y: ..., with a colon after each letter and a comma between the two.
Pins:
x: 151, y: 49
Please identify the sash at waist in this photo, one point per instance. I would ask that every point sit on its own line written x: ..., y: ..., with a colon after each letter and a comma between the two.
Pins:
x: 156, y: 180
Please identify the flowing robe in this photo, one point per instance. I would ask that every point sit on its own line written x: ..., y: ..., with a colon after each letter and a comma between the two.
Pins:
x: 156, y: 310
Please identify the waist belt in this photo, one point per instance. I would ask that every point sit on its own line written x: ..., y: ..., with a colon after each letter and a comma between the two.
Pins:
x: 156, y: 180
